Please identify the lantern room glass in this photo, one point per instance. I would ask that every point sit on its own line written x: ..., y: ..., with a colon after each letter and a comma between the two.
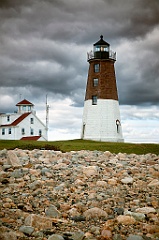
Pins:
x: 101, y: 48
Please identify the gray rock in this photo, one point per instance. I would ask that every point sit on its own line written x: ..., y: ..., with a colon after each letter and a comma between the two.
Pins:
x: 78, y: 235
x: 17, y: 173
x: 44, y: 170
x: 56, y: 237
x: 24, y: 159
x: 52, y: 211
x: 146, y: 210
x: 119, y: 211
x: 6, y: 167
x: 117, y: 237
x: 95, y: 230
x: 78, y: 218
x: 36, y: 184
x: 137, y: 216
x: 28, y: 230
x: 3, y: 153
x: 127, y: 180
x: 134, y: 237
x: 38, y: 235
x: 74, y: 236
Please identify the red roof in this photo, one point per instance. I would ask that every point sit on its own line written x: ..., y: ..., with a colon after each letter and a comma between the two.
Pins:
x: 24, y: 102
x: 33, y: 138
x: 18, y: 120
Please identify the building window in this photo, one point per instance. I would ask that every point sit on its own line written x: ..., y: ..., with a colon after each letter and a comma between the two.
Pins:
x: 94, y: 100
x: 9, y: 130
x: 95, y: 82
x: 3, y: 131
x: 40, y: 132
x: 23, y: 131
x: 31, y: 131
x: 24, y: 108
x: 31, y: 120
x: 8, y: 118
x: 96, y: 67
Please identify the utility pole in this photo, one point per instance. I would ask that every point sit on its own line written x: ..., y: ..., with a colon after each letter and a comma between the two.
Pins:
x: 47, y: 115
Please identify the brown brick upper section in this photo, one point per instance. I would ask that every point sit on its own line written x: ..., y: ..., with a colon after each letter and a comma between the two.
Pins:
x: 106, y: 88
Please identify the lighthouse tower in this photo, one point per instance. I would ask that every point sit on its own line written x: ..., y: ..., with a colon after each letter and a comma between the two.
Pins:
x: 101, y: 115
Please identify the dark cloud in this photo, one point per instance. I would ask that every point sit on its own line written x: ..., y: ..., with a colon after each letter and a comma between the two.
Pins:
x: 43, y: 47
x: 138, y: 71
x: 6, y: 4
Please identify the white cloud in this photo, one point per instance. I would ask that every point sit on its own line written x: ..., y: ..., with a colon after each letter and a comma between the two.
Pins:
x: 139, y: 124
x: 6, y: 100
x: 65, y: 120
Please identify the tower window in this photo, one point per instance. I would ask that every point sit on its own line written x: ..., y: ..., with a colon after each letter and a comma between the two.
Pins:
x: 95, y: 82
x: 31, y: 131
x: 31, y: 120
x: 9, y: 130
x: 96, y: 67
x: 3, y: 131
x: 8, y: 118
x: 94, y: 100
x: 24, y: 108
x: 23, y: 131
x: 40, y: 132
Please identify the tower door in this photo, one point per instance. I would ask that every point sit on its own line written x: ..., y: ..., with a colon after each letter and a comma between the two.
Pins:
x: 83, y: 130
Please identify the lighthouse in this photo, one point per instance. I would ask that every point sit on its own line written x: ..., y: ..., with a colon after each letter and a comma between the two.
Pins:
x: 101, y: 115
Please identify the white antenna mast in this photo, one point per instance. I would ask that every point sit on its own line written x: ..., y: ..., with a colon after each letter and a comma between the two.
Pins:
x: 47, y: 114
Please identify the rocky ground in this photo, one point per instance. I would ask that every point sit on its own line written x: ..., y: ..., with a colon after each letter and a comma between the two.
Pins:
x: 84, y: 195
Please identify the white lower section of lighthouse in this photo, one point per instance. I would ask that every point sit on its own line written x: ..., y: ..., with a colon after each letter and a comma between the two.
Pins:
x: 101, y: 122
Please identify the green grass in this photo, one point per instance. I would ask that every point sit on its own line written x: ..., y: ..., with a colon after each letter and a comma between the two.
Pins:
x: 77, y: 145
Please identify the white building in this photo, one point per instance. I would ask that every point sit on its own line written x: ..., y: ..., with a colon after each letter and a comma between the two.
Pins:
x: 22, y: 125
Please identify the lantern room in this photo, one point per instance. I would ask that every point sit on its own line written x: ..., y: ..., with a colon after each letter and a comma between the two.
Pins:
x: 101, y: 49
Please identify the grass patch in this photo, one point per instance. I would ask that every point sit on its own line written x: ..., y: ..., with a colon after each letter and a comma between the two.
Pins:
x: 78, y: 144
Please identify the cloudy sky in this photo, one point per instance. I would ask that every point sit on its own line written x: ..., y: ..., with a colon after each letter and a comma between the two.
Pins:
x: 43, y: 50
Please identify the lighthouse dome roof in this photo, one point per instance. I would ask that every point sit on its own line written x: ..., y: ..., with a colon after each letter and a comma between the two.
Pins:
x: 101, y: 42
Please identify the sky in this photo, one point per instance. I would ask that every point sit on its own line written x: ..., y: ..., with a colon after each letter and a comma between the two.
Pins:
x: 43, y: 51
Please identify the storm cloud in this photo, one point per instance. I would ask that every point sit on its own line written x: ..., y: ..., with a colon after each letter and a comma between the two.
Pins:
x: 44, y: 45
